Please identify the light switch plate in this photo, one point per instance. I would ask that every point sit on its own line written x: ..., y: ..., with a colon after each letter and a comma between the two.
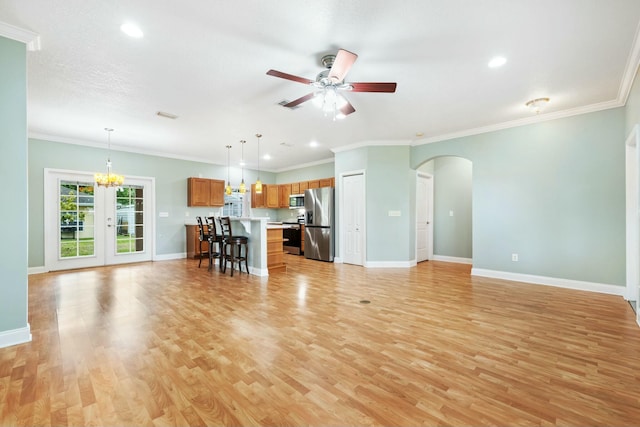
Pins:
x: 394, y: 213
x: 163, y: 214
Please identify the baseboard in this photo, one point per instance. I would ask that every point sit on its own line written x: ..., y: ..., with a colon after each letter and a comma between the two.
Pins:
x: 37, y: 270
x: 551, y: 281
x: 15, y: 336
x: 338, y: 260
x: 262, y: 272
x: 169, y: 257
x: 454, y: 259
x: 389, y: 264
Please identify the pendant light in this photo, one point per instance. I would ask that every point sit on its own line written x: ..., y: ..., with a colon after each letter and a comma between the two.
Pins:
x: 228, y: 189
x: 258, y: 182
x: 243, y: 186
x: 108, y: 179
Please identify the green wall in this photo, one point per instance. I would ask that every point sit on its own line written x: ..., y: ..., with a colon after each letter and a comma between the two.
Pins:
x: 324, y: 170
x: 553, y: 192
x: 13, y: 169
x: 170, y: 181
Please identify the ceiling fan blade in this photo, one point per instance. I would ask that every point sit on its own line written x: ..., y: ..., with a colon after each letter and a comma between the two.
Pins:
x: 300, y: 100
x: 282, y: 75
x: 373, y: 87
x: 342, y: 64
x: 347, y: 109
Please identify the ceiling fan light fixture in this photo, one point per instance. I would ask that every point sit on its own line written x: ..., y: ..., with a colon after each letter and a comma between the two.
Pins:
x: 132, y: 30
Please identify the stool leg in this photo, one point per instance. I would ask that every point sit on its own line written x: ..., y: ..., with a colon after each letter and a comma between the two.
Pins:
x: 246, y: 258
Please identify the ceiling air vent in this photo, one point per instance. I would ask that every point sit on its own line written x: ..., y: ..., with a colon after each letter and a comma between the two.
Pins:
x: 167, y: 115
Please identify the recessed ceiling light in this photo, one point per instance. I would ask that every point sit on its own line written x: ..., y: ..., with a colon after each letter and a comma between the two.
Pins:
x: 266, y: 157
x: 497, y: 61
x: 132, y: 30
x: 313, y: 144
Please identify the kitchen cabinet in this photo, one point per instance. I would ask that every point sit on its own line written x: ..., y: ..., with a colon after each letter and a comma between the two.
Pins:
x: 304, y: 185
x: 257, y: 200
x: 275, y: 250
x: 295, y: 188
x: 205, y: 192
x: 193, y: 242
x: 272, y: 195
x: 326, y: 182
x: 284, y: 192
x: 313, y: 183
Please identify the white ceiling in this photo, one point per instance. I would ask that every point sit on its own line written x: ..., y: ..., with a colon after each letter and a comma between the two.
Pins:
x: 205, y: 61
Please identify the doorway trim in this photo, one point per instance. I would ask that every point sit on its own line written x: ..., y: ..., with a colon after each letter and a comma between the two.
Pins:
x: 50, y: 173
x: 429, y: 215
x: 341, y: 203
x: 632, y: 189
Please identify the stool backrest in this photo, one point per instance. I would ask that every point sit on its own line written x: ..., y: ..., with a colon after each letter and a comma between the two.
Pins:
x: 201, y: 229
x: 211, y: 225
x: 225, y: 226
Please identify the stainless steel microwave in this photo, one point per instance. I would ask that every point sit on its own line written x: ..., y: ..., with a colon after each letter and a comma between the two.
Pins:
x: 296, y: 201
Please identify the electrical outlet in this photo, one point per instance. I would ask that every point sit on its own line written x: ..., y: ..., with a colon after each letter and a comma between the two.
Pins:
x: 186, y: 213
x: 514, y: 257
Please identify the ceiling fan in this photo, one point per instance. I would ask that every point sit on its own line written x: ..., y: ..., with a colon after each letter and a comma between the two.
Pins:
x: 330, y: 82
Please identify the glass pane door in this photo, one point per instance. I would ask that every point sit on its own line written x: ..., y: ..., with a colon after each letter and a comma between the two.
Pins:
x: 130, y: 219
x: 77, y: 219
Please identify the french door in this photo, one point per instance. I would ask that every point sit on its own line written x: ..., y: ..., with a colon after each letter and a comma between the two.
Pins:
x: 88, y: 226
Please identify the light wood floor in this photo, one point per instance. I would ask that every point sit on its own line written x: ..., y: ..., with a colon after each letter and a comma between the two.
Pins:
x: 167, y: 343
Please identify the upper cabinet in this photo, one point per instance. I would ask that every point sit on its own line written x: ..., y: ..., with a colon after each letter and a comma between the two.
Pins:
x: 284, y: 191
x: 205, y: 192
x: 277, y: 195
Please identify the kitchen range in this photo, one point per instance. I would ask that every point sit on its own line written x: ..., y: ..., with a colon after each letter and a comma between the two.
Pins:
x: 293, y: 236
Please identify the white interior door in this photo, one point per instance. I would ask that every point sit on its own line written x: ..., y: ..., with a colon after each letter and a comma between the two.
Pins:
x: 89, y: 226
x: 424, y: 217
x: 353, y: 208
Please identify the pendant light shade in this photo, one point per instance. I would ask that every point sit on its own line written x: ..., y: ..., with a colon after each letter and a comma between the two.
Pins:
x: 243, y: 186
x: 228, y: 190
x: 258, y: 182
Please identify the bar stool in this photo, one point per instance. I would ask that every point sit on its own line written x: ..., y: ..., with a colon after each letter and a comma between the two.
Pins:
x: 215, y: 238
x: 232, y: 247
x: 203, y: 237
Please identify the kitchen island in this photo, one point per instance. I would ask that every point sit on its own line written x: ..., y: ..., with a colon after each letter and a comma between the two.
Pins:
x: 255, y: 228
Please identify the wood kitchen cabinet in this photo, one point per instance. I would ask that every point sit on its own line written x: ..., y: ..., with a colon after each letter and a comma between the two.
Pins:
x: 295, y: 188
x: 315, y: 183
x: 272, y: 195
x: 205, y: 192
x: 258, y: 200
x: 275, y: 250
x: 304, y: 185
x: 284, y: 192
x: 326, y: 182
x: 193, y: 242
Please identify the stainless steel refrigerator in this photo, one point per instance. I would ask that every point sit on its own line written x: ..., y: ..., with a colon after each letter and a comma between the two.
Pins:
x: 319, y: 224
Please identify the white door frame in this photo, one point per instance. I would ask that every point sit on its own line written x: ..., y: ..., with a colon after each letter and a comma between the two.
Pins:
x: 429, y: 215
x: 100, y: 258
x: 632, y: 173
x: 341, y: 219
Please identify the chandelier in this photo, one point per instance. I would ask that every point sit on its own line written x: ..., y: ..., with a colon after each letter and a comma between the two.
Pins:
x: 108, y: 179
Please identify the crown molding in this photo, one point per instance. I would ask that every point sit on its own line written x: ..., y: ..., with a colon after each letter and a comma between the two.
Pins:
x: 545, y: 117
x: 31, y: 39
x: 306, y: 165
x: 631, y: 70
x: 393, y: 142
